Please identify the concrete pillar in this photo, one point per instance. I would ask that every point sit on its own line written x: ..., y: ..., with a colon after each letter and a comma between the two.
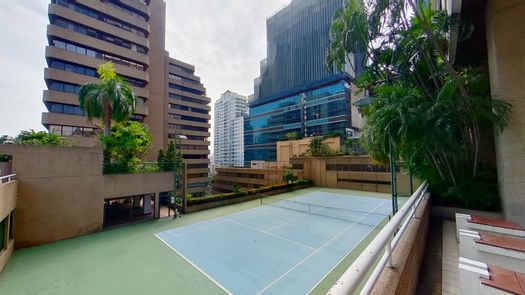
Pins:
x: 506, y: 53
x: 156, y: 211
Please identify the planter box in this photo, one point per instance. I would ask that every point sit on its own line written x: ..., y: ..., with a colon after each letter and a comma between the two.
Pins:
x: 204, y: 206
x: 450, y: 212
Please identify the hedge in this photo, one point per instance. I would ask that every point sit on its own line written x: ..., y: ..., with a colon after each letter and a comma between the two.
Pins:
x: 219, y: 197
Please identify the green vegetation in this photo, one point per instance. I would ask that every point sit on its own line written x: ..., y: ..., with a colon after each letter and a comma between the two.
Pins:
x: 125, y: 146
x: 33, y: 137
x: 237, y: 188
x: 168, y: 161
x: 5, y: 158
x: 318, y: 147
x: 288, y: 176
x: 353, y: 147
x: 429, y: 112
x: 111, y: 99
x: 6, y: 139
x: 292, y: 136
x: 226, y: 196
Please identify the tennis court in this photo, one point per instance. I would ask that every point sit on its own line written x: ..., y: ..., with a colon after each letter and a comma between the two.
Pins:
x: 281, y: 247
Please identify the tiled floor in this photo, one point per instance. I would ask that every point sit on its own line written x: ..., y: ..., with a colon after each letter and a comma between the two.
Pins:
x: 450, y: 284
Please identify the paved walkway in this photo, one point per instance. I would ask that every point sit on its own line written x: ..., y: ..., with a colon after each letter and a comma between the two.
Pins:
x: 450, y: 283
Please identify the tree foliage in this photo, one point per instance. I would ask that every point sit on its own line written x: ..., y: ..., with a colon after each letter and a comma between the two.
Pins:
x: 432, y: 111
x: 128, y: 142
x: 33, y: 137
x: 317, y: 147
x: 111, y: 99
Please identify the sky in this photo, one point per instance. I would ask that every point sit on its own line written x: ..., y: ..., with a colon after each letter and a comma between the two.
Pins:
x: 224, y: 39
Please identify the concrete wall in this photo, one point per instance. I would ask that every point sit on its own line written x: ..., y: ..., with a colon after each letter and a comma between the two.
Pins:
x: 296, y: 148
x: 506, y: 52
x: 61, y: 191
x: 315, y: 169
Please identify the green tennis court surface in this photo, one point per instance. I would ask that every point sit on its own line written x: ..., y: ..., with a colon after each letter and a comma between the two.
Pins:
x: 284, y: 247
x: 131, y: 260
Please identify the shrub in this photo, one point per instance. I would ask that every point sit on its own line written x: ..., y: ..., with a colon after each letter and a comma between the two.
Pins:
x: 220, y: 197
x: 5, y: 158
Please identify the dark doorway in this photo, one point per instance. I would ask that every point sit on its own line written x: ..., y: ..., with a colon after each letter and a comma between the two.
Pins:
x: 124, y: 210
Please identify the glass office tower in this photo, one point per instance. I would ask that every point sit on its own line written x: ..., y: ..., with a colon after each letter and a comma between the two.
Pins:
x: 295, y: 91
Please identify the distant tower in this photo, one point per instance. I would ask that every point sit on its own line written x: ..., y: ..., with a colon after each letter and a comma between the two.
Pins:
x: 230, y: 111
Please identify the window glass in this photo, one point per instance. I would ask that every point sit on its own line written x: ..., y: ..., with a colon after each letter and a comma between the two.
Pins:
x: 55, y: 129
x: 59, y: 44
x: 77, y: 131
x: 71, y: 47
x: 67, y: 130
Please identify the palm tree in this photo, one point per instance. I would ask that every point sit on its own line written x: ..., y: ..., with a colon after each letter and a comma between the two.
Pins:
x: 111, y: 99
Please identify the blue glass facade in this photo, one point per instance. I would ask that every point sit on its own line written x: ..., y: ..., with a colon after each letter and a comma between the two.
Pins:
x: 296, y: 92
x: 321, y: 110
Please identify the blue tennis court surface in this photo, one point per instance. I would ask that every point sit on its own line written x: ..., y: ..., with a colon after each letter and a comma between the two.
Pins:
x: 286, y: 247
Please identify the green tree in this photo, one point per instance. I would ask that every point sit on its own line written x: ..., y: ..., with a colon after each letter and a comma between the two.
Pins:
x: 291, y: 135
x: 33, y: 137
x: 317, y: 147
x: 111, y: 99
x: 288, y: 176
x: 353, y: 147
x: 237, y: 188
x: 161, y: 160
x: 128, y: 142
x: 430, y: 111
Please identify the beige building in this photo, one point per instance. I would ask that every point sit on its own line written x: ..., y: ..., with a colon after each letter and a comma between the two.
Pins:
x: 295, y: 148
x: 172, y: 101
x: 8, y: 195
x: 55, y: 200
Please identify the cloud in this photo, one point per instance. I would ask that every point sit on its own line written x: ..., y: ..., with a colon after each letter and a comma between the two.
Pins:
x: 22, y: 58
x: 224, y: 39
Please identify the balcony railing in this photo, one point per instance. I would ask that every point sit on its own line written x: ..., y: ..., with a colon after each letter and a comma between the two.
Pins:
x: 386, y: 240
x: 7, y: 178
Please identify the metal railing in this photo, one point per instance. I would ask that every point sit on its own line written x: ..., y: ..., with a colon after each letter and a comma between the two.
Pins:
x: 387, y: 240
x: 7, y: 178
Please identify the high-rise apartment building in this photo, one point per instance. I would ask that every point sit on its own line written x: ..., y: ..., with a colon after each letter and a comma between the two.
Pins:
x: 230, y: 111
x: 295, y: 91
x: 172, y: 101
x: 188, y: 115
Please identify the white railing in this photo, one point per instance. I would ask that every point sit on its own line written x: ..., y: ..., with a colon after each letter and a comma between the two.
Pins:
x: 7, y: 178
x: 386, y: 240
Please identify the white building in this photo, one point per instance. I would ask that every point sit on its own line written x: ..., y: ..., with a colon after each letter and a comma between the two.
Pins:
x: 230, y: 111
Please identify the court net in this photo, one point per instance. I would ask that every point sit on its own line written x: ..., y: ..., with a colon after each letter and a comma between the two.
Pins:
x: 349, y: 215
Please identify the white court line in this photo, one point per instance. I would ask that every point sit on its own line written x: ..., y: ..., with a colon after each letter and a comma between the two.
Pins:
x: 225, y: 217
x: 194, y: 265
x: 313, y: 253
x: 347, y: 254
x: 273, y: 235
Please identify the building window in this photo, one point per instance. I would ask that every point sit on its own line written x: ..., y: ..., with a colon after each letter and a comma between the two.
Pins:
x: 72, y: 131
x: 187, y: 89
x: 102, y: 17
x: 96, y: 54
x: 66, y: 24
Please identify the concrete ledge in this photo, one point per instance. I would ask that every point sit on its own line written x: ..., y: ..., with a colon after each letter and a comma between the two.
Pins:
x: 200, y: 207
x: 449, y: 213
x: 407, y: 256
